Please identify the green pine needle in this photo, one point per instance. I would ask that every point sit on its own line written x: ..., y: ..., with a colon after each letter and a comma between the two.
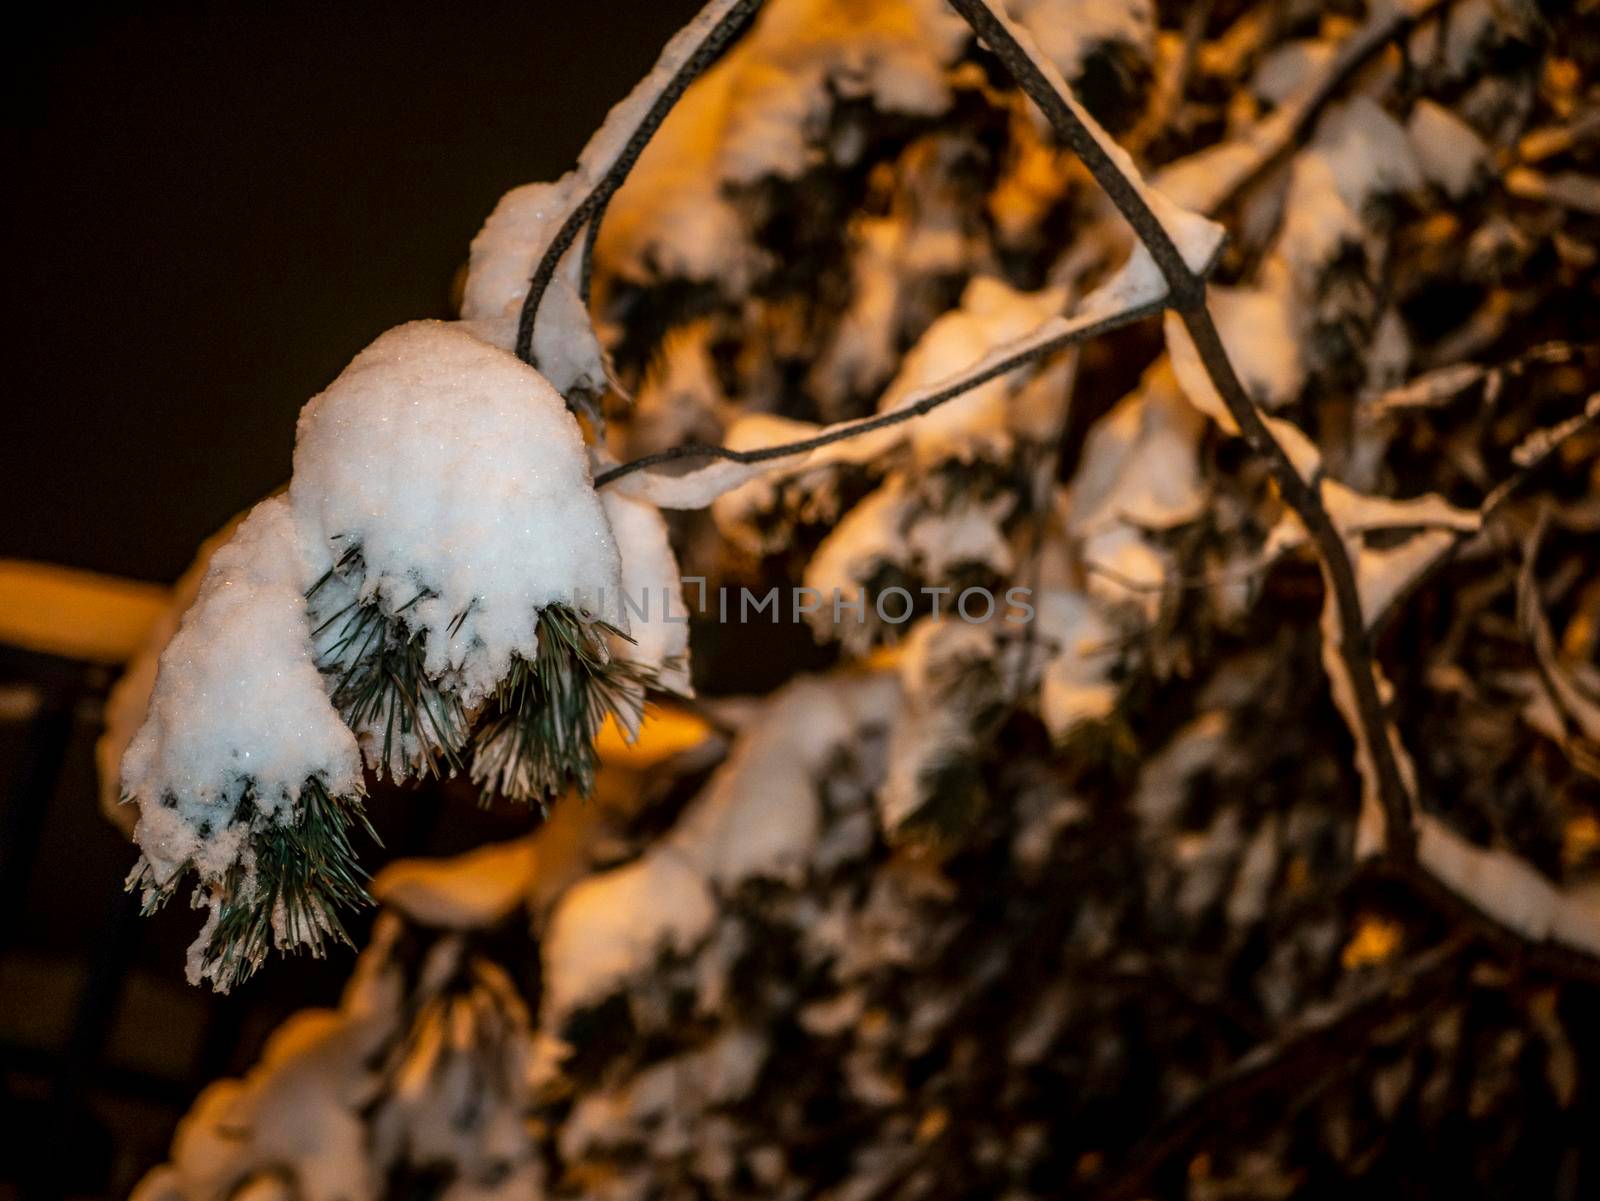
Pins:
x: 380, y: 686
x: 538, y: 739
x: 305, y: 872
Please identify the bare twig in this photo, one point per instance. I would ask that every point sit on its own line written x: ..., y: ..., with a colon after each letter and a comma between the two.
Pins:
x: 1530, y: 456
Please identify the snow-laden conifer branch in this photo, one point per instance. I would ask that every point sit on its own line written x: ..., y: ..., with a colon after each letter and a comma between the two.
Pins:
x: 420, y: 599
x: 1492, y: 892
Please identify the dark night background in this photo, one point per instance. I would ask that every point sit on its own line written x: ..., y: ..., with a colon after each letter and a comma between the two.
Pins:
x: 210, y: 209
x: 207, y: 212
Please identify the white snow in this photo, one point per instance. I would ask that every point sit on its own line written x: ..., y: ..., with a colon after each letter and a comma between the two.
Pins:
x: 297, y: 1106
x: 459, y: 475
x: 1368, y: 152
x: 504, y: 255
x: 756, y: 114
x: 968, y: 533
x: 607, y: 142
x: 613, y: 924
x: 464, y: 892
x: 760, y: 815
x: 1069, y: 30
x: 129, y: 700
x: 525, y: 223
x: 701, y: 486
x: 870, y: 536
x: 1136, y: 285
x: 1317, y: 222
x: 668, y: 1097
x: 678, y: 400
x: 1140, y: 471
x: 1512, y: 890
x: 1384, y: 573
x: 651, y: 593
x: 238, y: 707
x: 933, y: 726
x: 1075, y: 687
x: 1286, y: 72
x: 1140, y: 461
x: 1195, y: 237
x: 1257, y: 328
x: 1451, y: 154
x: 759, y: 818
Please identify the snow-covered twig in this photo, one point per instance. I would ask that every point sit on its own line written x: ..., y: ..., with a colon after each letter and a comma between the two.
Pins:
x: 686, y: 56
x: 1054, y: 336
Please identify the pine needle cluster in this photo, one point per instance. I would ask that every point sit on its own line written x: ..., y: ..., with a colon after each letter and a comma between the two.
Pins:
x: 381, y: 687
x: 287, y: 892
x: 538, y: 738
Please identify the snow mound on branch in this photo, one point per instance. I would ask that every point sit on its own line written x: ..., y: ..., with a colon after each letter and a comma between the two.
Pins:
x: 1449, y: 152
x: 503, y: 258
x: 466, y: 892
x: 298, y: 1106
x: 612, y: 925
x: 756, y: 113
x: 947, y: 678
x: 1258, y: 330
x: 1369, y: 152
x: 760, y: 816
x: 458, y: 475
x: 238, y: 707
x: 1068, y: 31
x: 868, y: 539
x: 1075, y: 686
x: 652, y: 592
x: 1141, y: 471
x: 759, y: 819
x: 129, y: 700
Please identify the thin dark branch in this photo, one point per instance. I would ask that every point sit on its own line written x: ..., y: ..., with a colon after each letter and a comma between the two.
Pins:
x: 592, y: 206
x: 1032, y: 353
x: 591, y: 235
x: 1354, y: 644
x: 1187, y: 293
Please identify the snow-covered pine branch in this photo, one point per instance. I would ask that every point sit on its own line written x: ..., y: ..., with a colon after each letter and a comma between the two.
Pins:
x: 430, y: 592
x: 242, y: 770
